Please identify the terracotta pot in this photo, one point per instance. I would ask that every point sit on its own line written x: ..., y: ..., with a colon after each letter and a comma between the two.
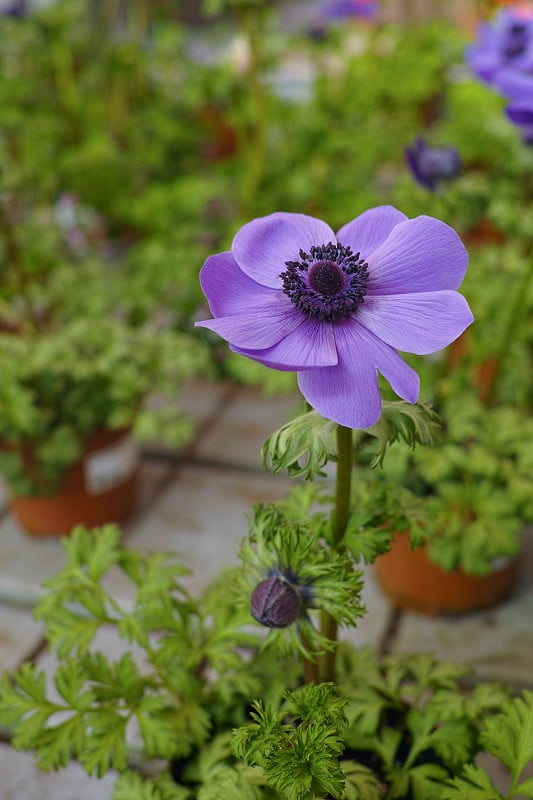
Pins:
x: 412, y: 581
x: 484, y: 232
x: 100, y: 488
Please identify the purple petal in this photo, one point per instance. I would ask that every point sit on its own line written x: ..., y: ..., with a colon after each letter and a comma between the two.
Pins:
x: 419, y: 323
x: 228, y: 290
x: 514, y: 85
x: 370, y: 229
x: 420, y: 255
x: 310, y: 345
x: 521, y: 114
x: 263, y: 246
x: 258, y: 329
x: 348, y: 393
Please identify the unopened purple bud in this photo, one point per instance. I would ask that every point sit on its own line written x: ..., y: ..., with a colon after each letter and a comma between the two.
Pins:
x: 432, y: 165
x: 275, y: 603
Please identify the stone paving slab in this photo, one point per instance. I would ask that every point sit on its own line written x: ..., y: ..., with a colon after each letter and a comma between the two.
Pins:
x: 241, y: 428
x: 20, y: 635
x: 497, y: 643
x: 202, y: 515
x: 371, y: 629
x: 26, y: 561
x: 200, y: 400
x: 3, y: 495
x: 21, y: 779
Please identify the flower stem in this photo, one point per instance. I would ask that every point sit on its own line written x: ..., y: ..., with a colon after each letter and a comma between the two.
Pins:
x: 328, y: 625
x: 310, y: 668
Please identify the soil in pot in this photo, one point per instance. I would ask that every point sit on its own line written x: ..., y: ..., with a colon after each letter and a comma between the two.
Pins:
x: 411, y: 581
x: 100, y: 488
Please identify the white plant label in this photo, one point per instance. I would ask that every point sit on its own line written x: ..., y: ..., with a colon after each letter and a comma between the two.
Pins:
x: 110, y: 466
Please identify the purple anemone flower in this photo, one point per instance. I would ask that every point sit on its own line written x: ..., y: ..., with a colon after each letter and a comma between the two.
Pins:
x: 517, y: 87
x: 293, y: 295
x: 521, y: 115
x: 430, y: 166
x: 340, y: 9
x: 14, y: 8
x: 506, y: 43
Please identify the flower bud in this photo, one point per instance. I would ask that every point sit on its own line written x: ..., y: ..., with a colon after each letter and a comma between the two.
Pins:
x: 275, y: 603
x: 432, y: 165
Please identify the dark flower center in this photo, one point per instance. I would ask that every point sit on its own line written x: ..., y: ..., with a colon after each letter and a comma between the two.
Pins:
x: 326, y: 277
x: 328, y: 283
x: 517, y: 41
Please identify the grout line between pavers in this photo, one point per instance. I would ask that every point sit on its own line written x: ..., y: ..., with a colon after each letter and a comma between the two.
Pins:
x: 386, y: 641
x: 187, y: 451
x: 207, y: 463
x: 35, y: 652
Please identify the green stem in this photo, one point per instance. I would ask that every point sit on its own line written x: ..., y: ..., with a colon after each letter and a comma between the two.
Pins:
x: 514, y: 317
x: 310, y: 668
x: 328, y: 625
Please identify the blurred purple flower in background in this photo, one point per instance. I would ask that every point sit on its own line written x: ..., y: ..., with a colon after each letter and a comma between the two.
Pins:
x: 505, y: 43
x: 294, y: 296
x: 503, y: 57
x: 431, y: 166
x: 517, y: 87
x: 521, y: 115
x: 13, y: 8
x: 340, y: 9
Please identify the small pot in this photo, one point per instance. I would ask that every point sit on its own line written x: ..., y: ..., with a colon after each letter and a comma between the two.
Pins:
x: 100, y: 488
x: 411, y: 581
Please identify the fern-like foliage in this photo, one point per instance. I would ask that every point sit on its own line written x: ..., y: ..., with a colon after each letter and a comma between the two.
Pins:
x: 299, y: 746
x: 508, y: 736
x: 179, y: 680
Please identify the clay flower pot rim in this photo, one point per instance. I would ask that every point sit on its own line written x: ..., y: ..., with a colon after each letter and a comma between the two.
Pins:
x: 413, y: 582
x: 100, y: 487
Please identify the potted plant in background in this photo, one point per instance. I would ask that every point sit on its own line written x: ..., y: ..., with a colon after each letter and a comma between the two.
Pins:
x: 475, y: 485
x: 83, y: 346
x: 329, y: 720
x: 87, y: 337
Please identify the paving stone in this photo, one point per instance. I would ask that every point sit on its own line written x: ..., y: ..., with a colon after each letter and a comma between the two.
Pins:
x: 22, y: 780
x: 19, y: 635
x: 497, y: 643
x: 3, y: 495
x: 372, y: 628
x: 203, y: 516
x: 200, y: 400
x: 26, y: 561
x: 241, y: 428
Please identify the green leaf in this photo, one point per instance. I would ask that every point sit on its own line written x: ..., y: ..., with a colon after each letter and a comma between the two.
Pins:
x: 24, y: 705
x: 57, y: 745
x: 427, y: 781
x: 412, y: 424
x: 509, y: 735
x: 361, y: 782
x: 70, y: 679
x: 132, y: 786
x: 159, y: 726
x: 452, y: 740
x: 473, y: 784
x: 525, y: 788
x: 69, y: 632
x: 303, y: 446
x: 96, y: 549
x: 105, y: 746
x: 365, y: 709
